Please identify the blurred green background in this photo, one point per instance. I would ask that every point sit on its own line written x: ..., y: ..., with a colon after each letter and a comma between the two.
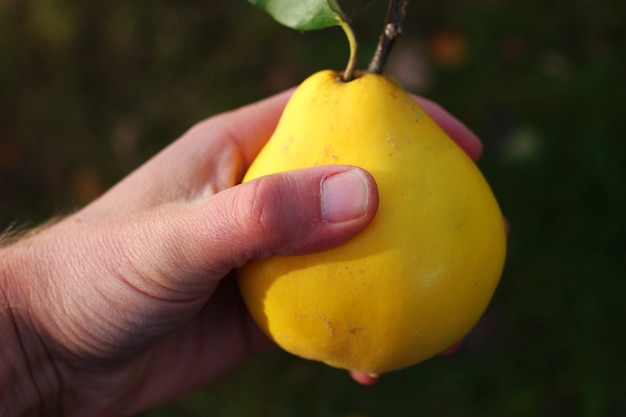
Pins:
x: 89, y: 90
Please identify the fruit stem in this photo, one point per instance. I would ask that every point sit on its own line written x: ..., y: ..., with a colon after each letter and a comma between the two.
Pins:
x: 348, y: 74
x: 395, y: 14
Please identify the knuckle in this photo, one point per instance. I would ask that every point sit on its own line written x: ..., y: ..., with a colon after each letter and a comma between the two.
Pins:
x: 260, y: 208
x: 277, y: 213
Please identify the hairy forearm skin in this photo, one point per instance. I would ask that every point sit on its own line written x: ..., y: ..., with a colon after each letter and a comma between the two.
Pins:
x: 29, y: 384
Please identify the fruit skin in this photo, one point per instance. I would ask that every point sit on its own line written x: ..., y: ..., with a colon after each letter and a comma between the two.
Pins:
x: 414, y: 281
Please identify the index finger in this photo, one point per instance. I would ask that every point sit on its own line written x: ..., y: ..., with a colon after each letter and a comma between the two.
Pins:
x: 251, y: 126
x: 460, y: 133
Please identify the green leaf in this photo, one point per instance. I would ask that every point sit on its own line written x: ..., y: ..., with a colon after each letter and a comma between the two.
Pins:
x: 302, y: 14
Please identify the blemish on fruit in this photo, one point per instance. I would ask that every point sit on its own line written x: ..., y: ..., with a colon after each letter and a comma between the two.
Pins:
x: 392, y: 145
x: 327, y: 323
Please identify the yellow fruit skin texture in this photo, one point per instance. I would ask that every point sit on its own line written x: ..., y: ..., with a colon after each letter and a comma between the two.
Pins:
x: 419, y: 277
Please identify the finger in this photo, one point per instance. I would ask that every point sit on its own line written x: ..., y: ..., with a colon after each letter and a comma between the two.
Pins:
x: 289, y: 213
x: 243, y: 131
x: 209, y: 157
x: 363, y: 378
x: 460, y: 133
x: 367, y: 379
x: 452, y: 348
x: 250, y: 127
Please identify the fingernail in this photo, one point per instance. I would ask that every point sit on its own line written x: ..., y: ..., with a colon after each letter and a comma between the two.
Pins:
x: 345, y: 196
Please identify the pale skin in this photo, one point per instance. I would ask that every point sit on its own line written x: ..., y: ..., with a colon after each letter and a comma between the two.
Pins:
x: 130, y: 302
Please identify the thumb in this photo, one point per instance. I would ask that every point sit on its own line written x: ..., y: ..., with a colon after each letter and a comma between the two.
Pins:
x: 289, y: 213
x: 119, y: 282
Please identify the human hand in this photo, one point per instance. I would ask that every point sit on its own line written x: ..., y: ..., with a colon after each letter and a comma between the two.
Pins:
x: 128, y: 303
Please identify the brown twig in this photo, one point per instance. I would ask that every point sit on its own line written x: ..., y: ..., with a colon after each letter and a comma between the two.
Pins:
x: 395, y: 14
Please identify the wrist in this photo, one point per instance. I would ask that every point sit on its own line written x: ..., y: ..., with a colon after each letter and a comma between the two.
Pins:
x: 29, y: 383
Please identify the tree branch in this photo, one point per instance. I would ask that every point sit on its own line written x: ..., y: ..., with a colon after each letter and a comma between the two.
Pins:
x: 395, y: 14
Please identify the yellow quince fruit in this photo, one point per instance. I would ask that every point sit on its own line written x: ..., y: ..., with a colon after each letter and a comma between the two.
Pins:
x: 420, y: 275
